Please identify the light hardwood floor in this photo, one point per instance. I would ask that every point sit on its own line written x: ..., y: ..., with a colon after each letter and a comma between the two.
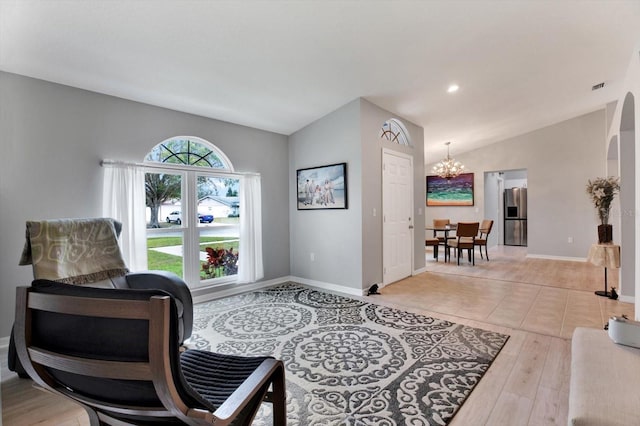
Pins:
x: 537, y: 302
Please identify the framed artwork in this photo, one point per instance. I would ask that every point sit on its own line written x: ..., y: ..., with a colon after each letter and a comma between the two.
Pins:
x: 323, y: 187
x: 457, y: 191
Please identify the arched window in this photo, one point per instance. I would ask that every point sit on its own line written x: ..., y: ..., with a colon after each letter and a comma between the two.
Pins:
x: 189, y: 151
x: 393, y: 130
x: 192, y: 211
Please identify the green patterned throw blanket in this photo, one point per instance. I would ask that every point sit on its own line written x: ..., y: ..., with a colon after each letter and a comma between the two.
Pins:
x: 74, y: 251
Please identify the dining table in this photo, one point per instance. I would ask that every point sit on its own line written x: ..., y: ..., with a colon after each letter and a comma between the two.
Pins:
x: 445, y: 230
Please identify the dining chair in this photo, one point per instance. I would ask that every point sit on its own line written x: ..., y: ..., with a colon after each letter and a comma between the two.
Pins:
x: 440, y: 224
x: 466, y: 233
x: 481, y: 240
x: 433, y: 242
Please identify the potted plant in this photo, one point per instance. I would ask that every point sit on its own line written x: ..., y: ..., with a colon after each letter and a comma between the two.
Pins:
x: 602, y: 191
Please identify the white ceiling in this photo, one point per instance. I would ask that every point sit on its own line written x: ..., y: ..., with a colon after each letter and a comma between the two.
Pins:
x: 280, y: 65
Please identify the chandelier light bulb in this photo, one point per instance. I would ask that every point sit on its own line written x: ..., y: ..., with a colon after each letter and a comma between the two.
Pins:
x: 449, y: 167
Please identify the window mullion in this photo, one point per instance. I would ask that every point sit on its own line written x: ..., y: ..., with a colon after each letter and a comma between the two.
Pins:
x: 191, y: 245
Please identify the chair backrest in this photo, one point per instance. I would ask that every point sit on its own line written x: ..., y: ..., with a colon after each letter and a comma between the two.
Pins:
x: 486, y: 226
x: 440, y: 223
x: 112, y: 350
x: 467, y: 229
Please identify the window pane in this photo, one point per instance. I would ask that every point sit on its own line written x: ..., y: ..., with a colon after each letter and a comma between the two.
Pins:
x: 185, y: 152
x: 164, y: 252
x: 394, y: 130
x: 163, y: 199
x: 219, y: 234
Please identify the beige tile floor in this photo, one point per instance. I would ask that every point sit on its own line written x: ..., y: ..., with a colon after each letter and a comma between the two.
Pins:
x: 549, y: 297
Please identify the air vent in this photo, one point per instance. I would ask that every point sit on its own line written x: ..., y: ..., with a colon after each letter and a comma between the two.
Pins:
x: 597, y: 86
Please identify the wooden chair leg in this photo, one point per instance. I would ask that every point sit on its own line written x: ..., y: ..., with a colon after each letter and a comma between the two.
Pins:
x: 435, y: 252
x: 279, y: 400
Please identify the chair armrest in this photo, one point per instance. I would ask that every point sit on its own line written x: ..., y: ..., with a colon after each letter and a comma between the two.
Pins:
x: 172, y: 284
x: 271, y: 370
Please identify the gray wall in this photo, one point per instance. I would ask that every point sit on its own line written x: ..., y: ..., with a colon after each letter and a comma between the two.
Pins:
x: 334, y: 236
x: 347, y: 244
x: 559, y: 160
x: 492, y: 206
x: 54, y: 136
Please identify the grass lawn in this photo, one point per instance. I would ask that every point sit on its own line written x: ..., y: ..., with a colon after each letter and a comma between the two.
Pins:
x: 164, y: 262
x: 172, y: 263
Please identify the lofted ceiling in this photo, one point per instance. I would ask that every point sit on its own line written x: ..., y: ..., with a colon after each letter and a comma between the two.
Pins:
x: 280, y: 65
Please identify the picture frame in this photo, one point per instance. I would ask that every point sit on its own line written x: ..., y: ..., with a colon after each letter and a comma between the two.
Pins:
x: 323, y: 187
x: 456, y: 192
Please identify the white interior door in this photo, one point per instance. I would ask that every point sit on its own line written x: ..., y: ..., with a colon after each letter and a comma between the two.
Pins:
x: 397, y: 210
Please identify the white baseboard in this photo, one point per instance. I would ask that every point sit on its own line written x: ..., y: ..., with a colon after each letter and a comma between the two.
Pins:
x: 544, y: 256
x: 627, y: 299
x: 419, y: 271
x: 329, y: 286
x: 212, y: 294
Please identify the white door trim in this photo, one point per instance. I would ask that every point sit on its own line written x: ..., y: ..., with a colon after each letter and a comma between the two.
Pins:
x: 410, y: 213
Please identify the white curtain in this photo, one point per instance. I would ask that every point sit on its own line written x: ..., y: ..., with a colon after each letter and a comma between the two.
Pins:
x: 123, y: 199
x: 250, y: 268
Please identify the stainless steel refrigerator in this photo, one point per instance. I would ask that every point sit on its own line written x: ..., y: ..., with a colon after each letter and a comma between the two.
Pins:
x: 515, y: 217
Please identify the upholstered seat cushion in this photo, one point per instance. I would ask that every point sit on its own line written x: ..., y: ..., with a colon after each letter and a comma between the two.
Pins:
x: 463, y: 243
x: 604, y: 381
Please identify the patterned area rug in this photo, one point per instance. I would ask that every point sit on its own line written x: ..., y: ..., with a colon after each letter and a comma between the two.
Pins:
x: 349, y: 362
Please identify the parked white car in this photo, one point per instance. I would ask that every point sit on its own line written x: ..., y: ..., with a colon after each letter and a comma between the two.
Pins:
x: 175, y: 216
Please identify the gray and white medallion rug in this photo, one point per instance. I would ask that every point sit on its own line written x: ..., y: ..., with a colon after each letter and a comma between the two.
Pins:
x: 350, y: 362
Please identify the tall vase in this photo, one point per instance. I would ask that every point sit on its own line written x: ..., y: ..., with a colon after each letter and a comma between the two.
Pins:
x: 605, y: 233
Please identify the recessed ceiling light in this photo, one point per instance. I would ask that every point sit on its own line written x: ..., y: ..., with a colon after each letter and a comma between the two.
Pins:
x: 453, y: 88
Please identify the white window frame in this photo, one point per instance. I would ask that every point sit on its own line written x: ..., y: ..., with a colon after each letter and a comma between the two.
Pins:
x: 191, y: 263
x: 397, y: 132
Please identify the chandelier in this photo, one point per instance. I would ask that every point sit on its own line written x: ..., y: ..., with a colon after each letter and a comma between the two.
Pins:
x: 449, y: 167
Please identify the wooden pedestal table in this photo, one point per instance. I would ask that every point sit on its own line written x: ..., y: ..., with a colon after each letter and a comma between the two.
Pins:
x: 608, y: 256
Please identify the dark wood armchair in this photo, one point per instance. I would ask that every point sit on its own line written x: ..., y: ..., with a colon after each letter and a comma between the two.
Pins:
x: 116, y: 353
